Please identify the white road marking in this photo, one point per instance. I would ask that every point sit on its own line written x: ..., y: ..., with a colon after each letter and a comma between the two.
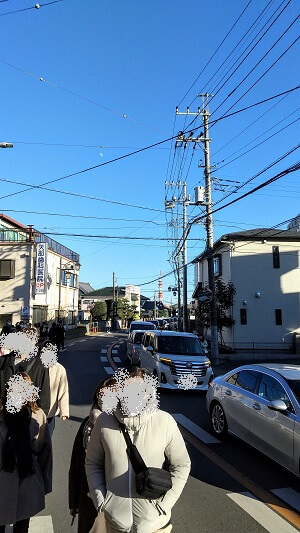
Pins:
x: 104, y: 350
x: 71, y: 344
x: 197, y: 431
x: 117, y: 346
x: 117, y: 360
x: 114, y: 351
x: 267, y: 518
x: 37, y: 524
x: 109, y: 370
x: 289, y: 495
x: 103, y: 359
x: 82, y: 340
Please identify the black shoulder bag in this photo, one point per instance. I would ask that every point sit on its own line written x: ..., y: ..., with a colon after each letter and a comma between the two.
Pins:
x: 151, y: 482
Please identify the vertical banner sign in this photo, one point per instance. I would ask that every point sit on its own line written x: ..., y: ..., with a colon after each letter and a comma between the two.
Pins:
x: 40, y: 286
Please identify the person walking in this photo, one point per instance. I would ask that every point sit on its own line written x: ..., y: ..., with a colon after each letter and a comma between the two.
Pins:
x: 60, y: 336
x: 79, y: 501
x: 25, y: 454
x: 52, y: 333
x: 7, y: 328
x: 44, y: 331
x: 59, y: 387
x: 111, y: 475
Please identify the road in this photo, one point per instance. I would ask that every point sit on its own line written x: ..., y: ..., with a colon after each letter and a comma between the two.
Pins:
x: 231, y: 488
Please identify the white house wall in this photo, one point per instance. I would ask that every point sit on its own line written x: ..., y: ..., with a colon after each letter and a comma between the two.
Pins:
x: 252, y: 273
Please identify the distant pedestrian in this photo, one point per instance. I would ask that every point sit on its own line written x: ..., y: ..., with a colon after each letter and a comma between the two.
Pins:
x: 79, y: 501
x: 60, y: 335
x: 44, y: 331
x: 7, y: 328
x: 25, y: 456
x: 20, y: 326
x: 59, y: 388
x: 115, y: 485
x: 52, y: 333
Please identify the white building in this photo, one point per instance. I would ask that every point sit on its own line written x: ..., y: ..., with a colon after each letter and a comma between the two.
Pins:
x: 264, y: 266
x: 38, y: 276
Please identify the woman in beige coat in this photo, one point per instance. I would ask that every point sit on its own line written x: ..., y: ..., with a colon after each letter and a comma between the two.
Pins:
x: 110, y: 474
x: 25, y: 455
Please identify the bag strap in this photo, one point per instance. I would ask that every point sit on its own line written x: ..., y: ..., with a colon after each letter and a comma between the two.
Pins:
x: 134, y: 455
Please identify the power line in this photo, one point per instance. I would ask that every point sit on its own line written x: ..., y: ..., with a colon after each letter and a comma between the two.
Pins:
x: 217, y: 89
x: 91, y: 236
x: 213, y: 55
x: 36, y: 6
x: 82, y: 216
x: 69, y: 193
x: 260, y: 77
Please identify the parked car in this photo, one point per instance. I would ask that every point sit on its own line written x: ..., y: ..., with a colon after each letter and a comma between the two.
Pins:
x: 261, y: 405
x: 133, y: 346
x: 171, y: 356
x: 140, y: 324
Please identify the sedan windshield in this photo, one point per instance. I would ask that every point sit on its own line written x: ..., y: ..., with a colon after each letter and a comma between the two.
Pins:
x: 180, y: 345
x: 294, y: 385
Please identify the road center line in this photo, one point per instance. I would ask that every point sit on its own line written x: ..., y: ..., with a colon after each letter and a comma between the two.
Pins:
x: 103, y: 359
x: 260, y: 493
x: 290, y: 496
x: 109, y: 370
x: 265, y: 516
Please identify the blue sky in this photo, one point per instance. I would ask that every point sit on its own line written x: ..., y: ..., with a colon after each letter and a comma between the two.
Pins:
x: 139, y: 58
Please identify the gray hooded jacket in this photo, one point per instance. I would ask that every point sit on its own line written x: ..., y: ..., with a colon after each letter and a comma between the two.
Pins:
x: 111, y: 478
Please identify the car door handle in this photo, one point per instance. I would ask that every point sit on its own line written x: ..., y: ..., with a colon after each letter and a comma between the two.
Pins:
x: 228, y: 392
x: 256, y: 406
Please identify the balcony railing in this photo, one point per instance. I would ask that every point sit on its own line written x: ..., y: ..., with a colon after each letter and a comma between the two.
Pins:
x: 31, y: 235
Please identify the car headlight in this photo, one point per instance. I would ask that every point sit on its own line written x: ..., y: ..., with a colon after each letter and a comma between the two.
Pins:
x: 207, y: 363
x: 165, y: 361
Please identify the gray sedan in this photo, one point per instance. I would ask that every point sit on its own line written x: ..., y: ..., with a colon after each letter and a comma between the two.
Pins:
x: 261, y: 405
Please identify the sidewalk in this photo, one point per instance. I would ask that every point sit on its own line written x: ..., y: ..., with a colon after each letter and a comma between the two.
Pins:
x: 227, y: 364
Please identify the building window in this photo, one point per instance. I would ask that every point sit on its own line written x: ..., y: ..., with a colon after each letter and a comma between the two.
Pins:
x: 243, y: 316
x: 217, y: 265
x: 276, y: 258
x: 278, y: 317
x: 7, y: 269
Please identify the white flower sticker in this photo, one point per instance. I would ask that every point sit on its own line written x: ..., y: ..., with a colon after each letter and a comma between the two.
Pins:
x: 187, y: 382
x: 19, y: 392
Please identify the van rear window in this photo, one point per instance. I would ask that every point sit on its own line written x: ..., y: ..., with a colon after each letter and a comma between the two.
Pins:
x: 180, y: 345
x: 141, y: 326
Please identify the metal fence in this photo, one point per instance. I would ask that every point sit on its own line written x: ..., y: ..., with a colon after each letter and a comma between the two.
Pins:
x: 254, y: 347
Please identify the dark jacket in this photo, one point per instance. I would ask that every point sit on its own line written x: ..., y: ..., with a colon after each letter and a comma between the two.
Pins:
x: 78, y: 487
x: 35, y: 369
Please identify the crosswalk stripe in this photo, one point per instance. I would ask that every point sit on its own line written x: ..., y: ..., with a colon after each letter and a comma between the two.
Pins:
x: 117, y: 360
x: 104, y: 350
x: 103, y: 359
x: 197, y: 431
x: 117, y: 346
x: 288, y: 495
x: 71, y: 344
x: 109, y: 370
x: 37, y: 524
x: 267, y: 518
x: 114, y: 351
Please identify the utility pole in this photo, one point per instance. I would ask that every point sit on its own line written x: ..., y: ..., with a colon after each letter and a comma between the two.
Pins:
x: 210, y: 239
x: 114, y: 303
x: 184, y: 258
x: 183, y: 140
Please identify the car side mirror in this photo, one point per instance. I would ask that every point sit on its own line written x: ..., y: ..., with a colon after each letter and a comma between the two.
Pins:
x: 277, y: 405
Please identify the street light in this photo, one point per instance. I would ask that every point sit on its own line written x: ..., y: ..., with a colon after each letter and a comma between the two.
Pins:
x: 6, y: 145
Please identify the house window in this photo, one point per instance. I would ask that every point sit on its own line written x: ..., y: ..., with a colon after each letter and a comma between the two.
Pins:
x: 276, y: 258
x: 243, y: 316
x: 217, y: 265
x: 278, y: 317
x: 7, y: 269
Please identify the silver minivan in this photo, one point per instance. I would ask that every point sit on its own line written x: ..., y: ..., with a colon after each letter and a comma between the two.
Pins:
x: 173, y: 357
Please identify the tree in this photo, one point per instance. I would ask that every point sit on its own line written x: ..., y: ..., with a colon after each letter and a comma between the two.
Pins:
x: 99, y: 311
x: 224, y: 298
x: 125, y: 311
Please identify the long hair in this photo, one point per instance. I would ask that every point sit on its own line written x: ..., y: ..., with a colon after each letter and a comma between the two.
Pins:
x: 17, y: 453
